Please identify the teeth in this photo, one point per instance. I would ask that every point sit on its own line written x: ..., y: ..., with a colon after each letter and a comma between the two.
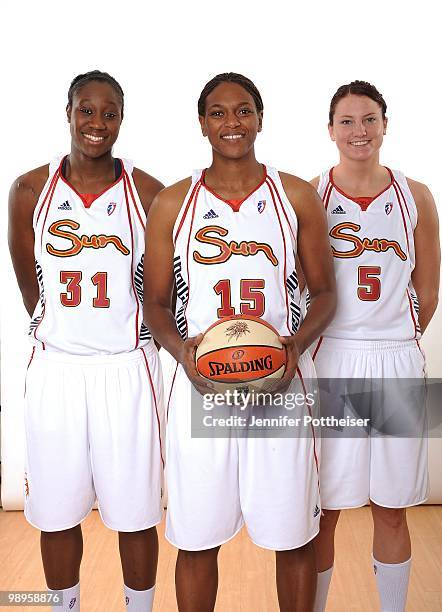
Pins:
x: 233, y: 136
x: 359, y: 143
x: 94, y: 138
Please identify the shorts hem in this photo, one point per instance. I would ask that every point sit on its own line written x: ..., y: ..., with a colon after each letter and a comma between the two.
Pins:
x: 352, y: 507
x: 418, y: 503
x: 54, y: 529
x: 205, y: 547
x: 144, y: 526
x: 286, y: 547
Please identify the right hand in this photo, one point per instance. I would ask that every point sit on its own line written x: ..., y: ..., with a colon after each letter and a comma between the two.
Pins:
x: 187, y: 360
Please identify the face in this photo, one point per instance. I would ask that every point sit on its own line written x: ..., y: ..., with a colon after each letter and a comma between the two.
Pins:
x: 95, y: 118
x: 231, y: 121
x: 358, y: 127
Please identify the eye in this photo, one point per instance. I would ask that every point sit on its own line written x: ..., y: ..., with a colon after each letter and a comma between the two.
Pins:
x: 345, y: 122
x: 84, y: 109
x: 371, y: 119
x: 245, y: 111
x: 110, y: 115
x: 216, y: 113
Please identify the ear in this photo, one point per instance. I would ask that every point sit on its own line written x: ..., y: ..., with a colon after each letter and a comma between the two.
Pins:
x: 385, y: 125
x: 202, y: 121
x: 68, y: 112
x: 260, y: 118
x: 331, y: 131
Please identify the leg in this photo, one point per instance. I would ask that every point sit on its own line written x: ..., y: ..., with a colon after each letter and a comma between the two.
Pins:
x: 139, y: 558
x: 391, y: 556
x: 61, y: 552
x: 324, y: 542
x: 296, y: 579
x: 196, y: 580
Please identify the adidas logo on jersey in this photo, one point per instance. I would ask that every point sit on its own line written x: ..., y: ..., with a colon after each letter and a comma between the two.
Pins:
x: 338, y: 211
x: 210, y: 215
x: 316, y: 511
x: 65, y: 206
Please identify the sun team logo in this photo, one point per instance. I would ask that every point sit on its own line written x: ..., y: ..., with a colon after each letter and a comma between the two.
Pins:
x: 388, y: 207
x: 261, y: 205
x: 111, y: 207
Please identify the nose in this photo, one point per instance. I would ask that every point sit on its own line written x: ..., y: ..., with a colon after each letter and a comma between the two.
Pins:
x: 359, y: 129
x: 97, y: 122
x: 232, y: 120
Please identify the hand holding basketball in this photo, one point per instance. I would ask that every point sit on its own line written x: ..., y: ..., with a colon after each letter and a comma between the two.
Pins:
x: 187, y: 360
x: 293, y: 354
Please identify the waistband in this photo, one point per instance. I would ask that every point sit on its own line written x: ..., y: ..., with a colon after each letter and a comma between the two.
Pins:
x: 374, y: 346
x: 94, y: 360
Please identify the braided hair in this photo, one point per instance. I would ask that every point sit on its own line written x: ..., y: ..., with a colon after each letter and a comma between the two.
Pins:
x: 229, y: 77
x: 357, y: 88
x: 95, y: 75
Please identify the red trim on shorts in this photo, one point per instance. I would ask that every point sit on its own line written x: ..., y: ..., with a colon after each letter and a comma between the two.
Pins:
x: 189, y: 201
x: 403, y: 216
x: 155, y: 403
x: 235, y: 205
x: 137, y: 339
x: 133, y: 197
x: 53, y: 180
x: 85, y: 203
x: 29, y: 363
x: 285, y: 260
x: 363, y: 205
x: 298, y: 370
x: 170, y: 393
x: 315, y: 352
x: 283, y: 207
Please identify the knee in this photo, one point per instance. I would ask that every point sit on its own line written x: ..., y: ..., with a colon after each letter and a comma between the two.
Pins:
x: 196, y: 557
x: 391, y: 518
x: 329, y: 520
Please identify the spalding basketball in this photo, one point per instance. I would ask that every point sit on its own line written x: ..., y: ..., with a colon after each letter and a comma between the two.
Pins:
x: 239, y: 352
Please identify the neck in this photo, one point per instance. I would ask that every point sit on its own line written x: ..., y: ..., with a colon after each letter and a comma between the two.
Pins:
x: 360, y: 176
x: 87, y: 169
x: 234, y: 175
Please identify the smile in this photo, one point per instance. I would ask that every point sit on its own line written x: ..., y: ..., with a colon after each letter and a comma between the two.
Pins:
x: 359, y: 143
x: 232, y: 136
x: 94, y: 138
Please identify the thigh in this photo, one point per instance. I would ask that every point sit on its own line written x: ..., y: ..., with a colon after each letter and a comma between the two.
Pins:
x: 202, y: 479
x: 59, y: 491
x: 125, y: 405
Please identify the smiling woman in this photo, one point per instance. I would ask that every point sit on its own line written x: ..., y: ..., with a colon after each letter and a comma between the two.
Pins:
x: 76, y: 236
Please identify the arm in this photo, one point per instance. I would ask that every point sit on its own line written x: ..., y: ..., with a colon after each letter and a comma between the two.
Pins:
x: 147, y: 187
x: 23, y: 198
x: 426, y: 273
x: 159, y: 280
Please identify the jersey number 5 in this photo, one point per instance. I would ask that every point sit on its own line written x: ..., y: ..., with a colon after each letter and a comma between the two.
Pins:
x: 369, y: 289
x: 72, y: 297
x: 253, y: 298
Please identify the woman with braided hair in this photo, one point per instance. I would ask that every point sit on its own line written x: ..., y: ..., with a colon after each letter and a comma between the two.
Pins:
x: 93, y: 406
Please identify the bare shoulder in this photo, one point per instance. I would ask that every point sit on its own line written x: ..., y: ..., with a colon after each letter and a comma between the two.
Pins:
x: 168, y: 201
x: 297, y: 189
x: 315, y: 182
x: 147, y: 187
x: 27, y: 188
x: 420, y: 192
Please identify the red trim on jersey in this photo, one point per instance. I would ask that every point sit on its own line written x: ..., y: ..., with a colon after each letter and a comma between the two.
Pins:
x: 137, y: 339
x: 326, y: 198
x: 51, y: 185
x: 282, y: 206
x: 298, y: 370
x: 363, y: 206
x: 57, y: 174
x: 403, y: 198
x: 235, y: 205
x: 410, y: 301
x: 285, y: 259
x: 187, y: 255
x: 403, y: 216
x: 155, y: 403
x: 170, y: 392
x: 133, y: 197
x: 86, y: 205
x: 315, y: 352
x: 38, y: 325
x: 189, y: 201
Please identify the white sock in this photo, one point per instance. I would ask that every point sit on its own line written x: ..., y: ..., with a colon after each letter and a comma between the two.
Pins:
x: 392, y: 580
x: 139, y: 601
x: 322, y: 586
x: 71, y: 599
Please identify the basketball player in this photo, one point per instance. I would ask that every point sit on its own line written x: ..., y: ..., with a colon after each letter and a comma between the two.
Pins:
x: 385, y: 241
x: 93, y: 388
x: 218, y: 485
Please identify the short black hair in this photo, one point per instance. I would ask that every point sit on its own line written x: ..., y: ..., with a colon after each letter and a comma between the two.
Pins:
x: 95, y: 75
x: 357, y: 88
x: 229, y: 77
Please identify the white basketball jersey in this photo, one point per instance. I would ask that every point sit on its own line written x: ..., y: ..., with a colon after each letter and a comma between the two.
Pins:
x: 89, y: 262
x: 373, y: 249
x: 236, y: 258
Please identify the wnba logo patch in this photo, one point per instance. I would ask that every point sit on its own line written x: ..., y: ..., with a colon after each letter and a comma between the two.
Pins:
x: 111, y: 207
x: 388, y: 207
x: 261, y: 206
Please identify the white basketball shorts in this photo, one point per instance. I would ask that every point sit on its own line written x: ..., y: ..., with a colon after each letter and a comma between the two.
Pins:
x: 380, y: 465
x: 93, y: 431
x: 216, y: 485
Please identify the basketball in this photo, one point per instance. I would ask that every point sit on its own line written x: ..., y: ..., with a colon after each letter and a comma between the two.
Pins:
x: 239, y: 352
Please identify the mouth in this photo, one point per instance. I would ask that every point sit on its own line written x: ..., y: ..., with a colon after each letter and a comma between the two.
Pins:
x: 92, y: 138
x: 359, y: 143
x: 232, y: 137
